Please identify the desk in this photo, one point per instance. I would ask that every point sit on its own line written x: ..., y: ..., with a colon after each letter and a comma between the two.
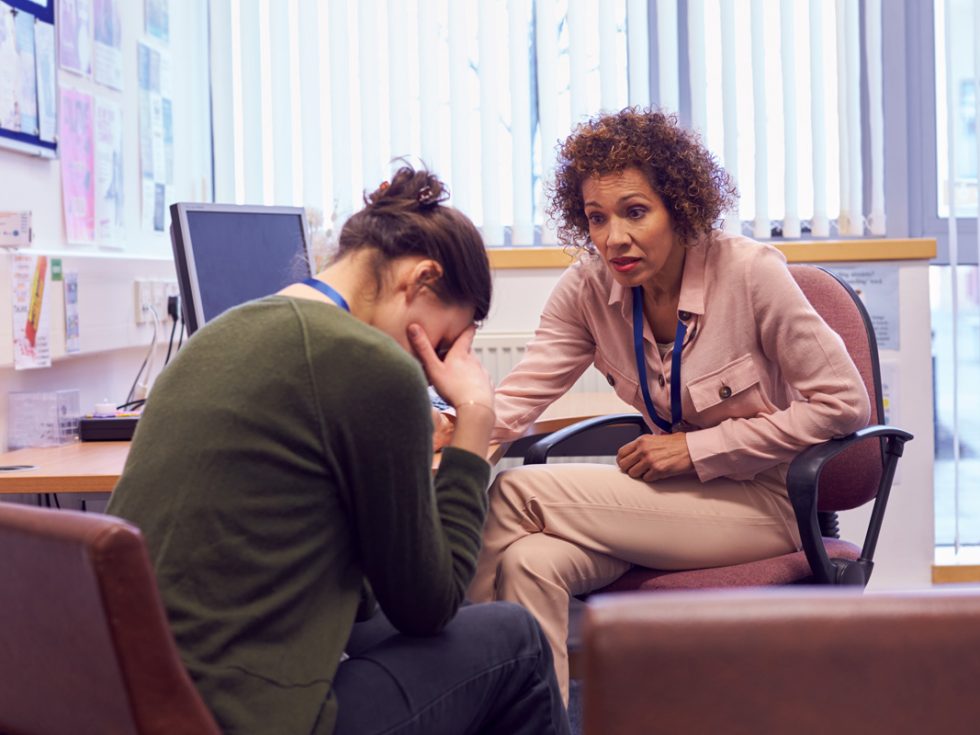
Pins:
x: 94, y: 467
x: 81, y: 467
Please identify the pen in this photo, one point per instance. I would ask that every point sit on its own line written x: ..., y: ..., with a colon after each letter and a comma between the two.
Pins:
x: 15, y: 467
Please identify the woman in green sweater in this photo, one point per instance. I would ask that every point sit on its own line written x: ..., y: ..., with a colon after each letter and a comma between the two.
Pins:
x: 281, y: 475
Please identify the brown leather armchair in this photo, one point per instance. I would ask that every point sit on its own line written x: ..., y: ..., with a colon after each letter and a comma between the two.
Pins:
x: 85, y: 646
x: 774, y: 660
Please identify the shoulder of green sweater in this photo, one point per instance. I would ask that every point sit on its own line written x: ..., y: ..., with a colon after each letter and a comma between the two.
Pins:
x: 360, y: 352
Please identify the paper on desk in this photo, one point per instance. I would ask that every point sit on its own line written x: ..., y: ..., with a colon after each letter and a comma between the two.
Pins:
x: 32, y: 334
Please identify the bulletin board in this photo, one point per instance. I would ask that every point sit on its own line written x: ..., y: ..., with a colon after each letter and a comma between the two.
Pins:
x: 28, y: 77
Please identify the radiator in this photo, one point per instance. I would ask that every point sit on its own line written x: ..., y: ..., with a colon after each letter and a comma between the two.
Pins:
x: 500, y: 352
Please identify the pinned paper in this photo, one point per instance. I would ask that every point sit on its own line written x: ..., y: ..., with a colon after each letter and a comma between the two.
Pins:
x: 32, y: 334
x: 72, y: 326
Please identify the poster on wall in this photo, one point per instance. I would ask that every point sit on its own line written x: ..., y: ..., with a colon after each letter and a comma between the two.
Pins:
x: 18, y: 83
x: 109, y: 190
x: 156, y: 134
x: 157, y: 15
x: 108, y: 58
x: 32, y: 334
x: 75, y: 36
x: 877, y: 285
x: 73, y: 335
x: 27, y: 109
x: 77, y: 166
x: 890, y: 372
x: 9, y: 65
x: 46, y: 78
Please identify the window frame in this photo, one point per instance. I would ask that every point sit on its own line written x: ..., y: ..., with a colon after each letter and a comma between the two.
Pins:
x: 920, y: 70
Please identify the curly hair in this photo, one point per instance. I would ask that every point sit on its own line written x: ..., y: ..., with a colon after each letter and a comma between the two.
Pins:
x: 695, y: 189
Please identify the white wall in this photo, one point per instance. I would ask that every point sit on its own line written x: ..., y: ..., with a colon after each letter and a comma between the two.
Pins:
x: 905, y: 552
x: 112, y: 344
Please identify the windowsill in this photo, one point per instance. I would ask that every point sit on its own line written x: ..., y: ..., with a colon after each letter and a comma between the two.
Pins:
x: 815, y: 251
x: 951, y: 567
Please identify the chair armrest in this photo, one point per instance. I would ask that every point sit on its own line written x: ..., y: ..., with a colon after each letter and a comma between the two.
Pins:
x: 802, y: 482
x: 538, y: 452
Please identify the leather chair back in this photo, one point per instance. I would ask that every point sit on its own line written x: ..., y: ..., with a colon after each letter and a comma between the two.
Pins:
x: 822, y: 660
x: 85, y: 646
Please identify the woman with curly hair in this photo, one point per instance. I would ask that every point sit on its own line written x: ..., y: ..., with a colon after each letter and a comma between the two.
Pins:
x: 706, y: 334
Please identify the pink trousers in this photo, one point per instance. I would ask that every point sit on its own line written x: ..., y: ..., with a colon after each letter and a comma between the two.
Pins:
x: 559, y: 530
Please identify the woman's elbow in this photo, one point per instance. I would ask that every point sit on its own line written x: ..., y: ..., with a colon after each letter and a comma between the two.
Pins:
x: 853, y: 412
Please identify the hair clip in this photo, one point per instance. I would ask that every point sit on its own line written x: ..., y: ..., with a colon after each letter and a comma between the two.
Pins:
x: 426, y: 195
x: 384, y: 186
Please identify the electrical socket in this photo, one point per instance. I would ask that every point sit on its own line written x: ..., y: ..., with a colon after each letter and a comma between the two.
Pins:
x: 150, y: 294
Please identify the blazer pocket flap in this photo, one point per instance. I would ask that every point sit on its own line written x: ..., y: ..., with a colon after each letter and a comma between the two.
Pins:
x: 723, y: 384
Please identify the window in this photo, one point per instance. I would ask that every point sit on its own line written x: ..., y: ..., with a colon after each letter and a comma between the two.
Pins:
x: 322, y: 96
x: 955, y: 293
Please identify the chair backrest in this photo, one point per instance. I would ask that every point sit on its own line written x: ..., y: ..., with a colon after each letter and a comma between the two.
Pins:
x: 850, y: 479
x: 85, y: 646
x: 782, y: 661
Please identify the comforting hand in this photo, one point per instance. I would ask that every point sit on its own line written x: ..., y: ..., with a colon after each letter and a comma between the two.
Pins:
x: 654, y: 457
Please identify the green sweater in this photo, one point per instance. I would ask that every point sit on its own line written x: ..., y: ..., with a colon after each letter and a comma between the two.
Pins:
x: 283, y: 458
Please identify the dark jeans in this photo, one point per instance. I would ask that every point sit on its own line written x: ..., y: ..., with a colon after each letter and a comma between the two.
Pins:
x: 489, y: 671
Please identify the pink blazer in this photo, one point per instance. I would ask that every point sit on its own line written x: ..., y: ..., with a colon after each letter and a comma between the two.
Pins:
x: 763, y: 376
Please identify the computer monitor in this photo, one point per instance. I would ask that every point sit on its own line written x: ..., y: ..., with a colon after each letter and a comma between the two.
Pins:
x: 227, y: 254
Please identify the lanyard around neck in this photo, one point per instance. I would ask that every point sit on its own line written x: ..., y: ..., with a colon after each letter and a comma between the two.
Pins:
x: 641, y: 366
x: 330, y: 292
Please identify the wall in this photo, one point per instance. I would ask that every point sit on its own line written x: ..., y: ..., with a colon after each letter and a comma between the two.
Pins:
x: 112, y: 344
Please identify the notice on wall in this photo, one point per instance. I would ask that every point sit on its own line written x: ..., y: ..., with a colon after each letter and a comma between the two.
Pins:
x: 46, y: 77
x: 156, y: 134
x: 18, y: 90
x: 32, y: 334
x: 157, y: 17
x: 108, y: 57
x: 877, y: 285
x: 77, y: 166
x: 109, y: 190
x: 18, y: 81
x: 73, y: 342
x: 890, y: 372
x: 75, y: 36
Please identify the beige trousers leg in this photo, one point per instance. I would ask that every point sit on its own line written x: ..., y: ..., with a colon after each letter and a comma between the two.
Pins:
x: 555, y: 531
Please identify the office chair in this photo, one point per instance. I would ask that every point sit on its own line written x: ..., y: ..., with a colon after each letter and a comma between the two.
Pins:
x: 85, y: 647
x: 782, y: 660
x: 834, y: 476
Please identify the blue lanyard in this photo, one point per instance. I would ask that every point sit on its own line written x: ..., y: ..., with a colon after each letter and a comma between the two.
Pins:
x: 330, y: 292
x: 641, y: 366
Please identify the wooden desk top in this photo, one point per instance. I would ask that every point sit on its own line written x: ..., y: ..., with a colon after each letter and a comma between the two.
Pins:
x: 95, y: 467
x: 81, y: 467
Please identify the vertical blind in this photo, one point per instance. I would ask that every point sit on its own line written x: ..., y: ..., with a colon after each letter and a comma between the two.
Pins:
x: 314, y: 99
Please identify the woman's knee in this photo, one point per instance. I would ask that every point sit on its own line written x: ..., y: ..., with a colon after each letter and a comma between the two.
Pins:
x: 532, y: 560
